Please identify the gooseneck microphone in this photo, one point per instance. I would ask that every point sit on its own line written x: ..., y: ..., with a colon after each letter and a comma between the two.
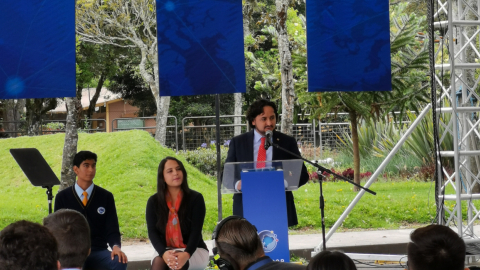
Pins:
x: 268, y: 139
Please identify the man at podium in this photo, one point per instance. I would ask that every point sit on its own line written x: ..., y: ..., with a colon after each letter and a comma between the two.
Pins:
x: 250, y: 147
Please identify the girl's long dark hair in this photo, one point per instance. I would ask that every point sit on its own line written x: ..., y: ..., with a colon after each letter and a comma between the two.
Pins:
x: 162, y: 189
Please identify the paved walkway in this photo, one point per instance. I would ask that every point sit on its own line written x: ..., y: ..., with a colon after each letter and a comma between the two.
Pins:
x: 370, y: 242
x: 140, y: 254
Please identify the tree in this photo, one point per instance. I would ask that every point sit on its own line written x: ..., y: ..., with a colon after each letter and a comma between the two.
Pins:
x: 97, y: 63
x: 67, y: 175
x: 286, y: 69
x: 12, y: 109
x: 409, y: 83
x: 36, y: 109
x: 129, y: 24
x: 74, y: 106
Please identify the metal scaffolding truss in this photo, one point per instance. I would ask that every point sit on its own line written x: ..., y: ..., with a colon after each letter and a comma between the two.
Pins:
x: 456, y: 57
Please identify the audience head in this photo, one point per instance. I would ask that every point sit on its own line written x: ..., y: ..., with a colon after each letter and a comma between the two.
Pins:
x: 72, y: 232
x: 435, y: 247
x: 331, y: 260
x: 28, y: 245
x: 237, y: 242
x: 262, y: 107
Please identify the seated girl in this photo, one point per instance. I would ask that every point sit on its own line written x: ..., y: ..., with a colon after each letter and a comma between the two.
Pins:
x: 175, y: 216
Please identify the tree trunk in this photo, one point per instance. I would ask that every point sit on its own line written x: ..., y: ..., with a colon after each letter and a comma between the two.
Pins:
x: 36, y: 108
x: 70, y: 145
x: 247, y: 10
x: 288, y: 94
x: 94, y: 99
x: 356, y: 152
x: 238, y: 111
x: 163, y: 105
x: 33, y: 117
x: 19, y: 109
x: 9, y: 116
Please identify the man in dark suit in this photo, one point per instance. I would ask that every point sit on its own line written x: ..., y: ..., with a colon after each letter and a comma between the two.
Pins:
x: 249, y: 147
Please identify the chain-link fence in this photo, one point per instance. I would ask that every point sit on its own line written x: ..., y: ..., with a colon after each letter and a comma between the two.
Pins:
x: 9, y: 129
x: 200, y: 131
x: 313, y: 137
x: 149, y: 124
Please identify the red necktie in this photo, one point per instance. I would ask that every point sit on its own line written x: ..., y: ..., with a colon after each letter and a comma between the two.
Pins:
x: 262, y: 154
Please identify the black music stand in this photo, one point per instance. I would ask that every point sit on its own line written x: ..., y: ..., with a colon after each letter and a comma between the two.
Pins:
x: 37, y: 170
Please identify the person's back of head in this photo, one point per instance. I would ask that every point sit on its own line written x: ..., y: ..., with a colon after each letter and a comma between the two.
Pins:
x: 435, y: 247
x: 331, y: 260
x: 27, y: 245
x: 237, y: 241
x: 72, y: 232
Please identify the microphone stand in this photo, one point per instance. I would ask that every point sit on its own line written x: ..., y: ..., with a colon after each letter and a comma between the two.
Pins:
x: 320, y: 171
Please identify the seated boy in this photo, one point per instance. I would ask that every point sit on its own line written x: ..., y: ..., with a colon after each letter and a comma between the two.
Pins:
x: 98, y: 207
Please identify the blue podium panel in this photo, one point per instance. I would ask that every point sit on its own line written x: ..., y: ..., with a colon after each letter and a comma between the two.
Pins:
x: 348, y: 45
x: 37, y: 49
x: 200, y: 47
x: 264, y: 205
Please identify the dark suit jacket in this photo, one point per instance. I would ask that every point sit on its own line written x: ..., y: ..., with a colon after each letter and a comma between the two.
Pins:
x: 240, y: 149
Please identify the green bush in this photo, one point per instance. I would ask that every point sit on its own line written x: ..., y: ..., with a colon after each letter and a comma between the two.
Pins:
x: 205, y: 159
x: 54, y: 126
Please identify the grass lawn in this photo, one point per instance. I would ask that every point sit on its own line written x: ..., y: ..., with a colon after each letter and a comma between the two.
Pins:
x: 127, y: 166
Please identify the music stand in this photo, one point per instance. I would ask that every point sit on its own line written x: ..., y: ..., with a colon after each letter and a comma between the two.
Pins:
x: 37, y: 170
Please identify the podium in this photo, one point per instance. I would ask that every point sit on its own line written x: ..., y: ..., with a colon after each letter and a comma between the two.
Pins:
x: 264, y: 201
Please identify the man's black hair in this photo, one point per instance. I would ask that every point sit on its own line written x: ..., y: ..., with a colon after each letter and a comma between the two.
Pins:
x: 82, y: 156
x: 331, y: 260
x: 27, y: 245
x: 436, y: 247
x: 257, y: 108
x: 72, y: 232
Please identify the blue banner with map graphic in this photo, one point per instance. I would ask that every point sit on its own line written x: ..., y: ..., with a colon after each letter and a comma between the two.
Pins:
x: 265, y: 206
x: 348, y: 45
x: 37, y: 49
x: 200, y: 47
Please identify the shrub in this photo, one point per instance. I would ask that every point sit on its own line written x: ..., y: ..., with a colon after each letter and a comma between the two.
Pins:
x: 205, y: 158
x: 53, y: 126
x: 348, y: 173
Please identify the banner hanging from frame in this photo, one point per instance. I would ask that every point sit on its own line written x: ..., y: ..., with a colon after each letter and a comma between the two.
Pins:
x: 200, y: 47
x: 37, y: 49
x: 348, y: 45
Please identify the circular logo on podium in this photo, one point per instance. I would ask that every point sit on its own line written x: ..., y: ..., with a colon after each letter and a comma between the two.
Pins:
x: 269, y: 240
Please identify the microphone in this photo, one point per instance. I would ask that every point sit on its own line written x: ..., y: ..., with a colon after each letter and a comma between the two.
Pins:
x: 268, y: 139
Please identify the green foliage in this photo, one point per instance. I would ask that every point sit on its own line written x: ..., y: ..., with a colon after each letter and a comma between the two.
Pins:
x: 53, y: 126
x: 127, y: 166
x: 377, y: 139
x: 205, y: 159
x: 396, y: 204
x: 130, y: 174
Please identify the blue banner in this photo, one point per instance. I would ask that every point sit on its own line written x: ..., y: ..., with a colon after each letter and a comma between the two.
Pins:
x: 348, y: 45
x: 200, y: 47
x: 37, y: 49
x: 265, y: 206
